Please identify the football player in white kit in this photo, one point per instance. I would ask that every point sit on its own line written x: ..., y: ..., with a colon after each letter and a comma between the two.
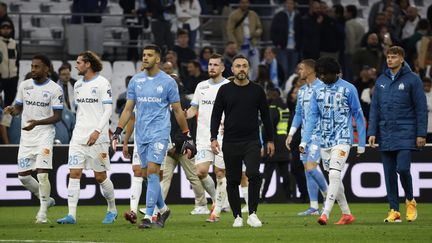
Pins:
x: 90, y: 141
x: 202, y: 105
x: 40, y: 100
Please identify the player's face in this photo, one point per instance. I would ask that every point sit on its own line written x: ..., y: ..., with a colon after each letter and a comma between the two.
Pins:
x: 304, y: 71
x: 240, y: 69
x: 394, y: 61
x: 215, y: 67
x: 82, y: 66
x: 38, y: 70
x: 149, y: 59
x: 328, y: 78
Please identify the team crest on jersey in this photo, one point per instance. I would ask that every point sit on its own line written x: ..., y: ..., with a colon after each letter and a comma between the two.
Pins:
x: 159, y: 89
x: 45, y: 95
x: 338, y: 96
x: 94, y: 91
x: 401, y: 86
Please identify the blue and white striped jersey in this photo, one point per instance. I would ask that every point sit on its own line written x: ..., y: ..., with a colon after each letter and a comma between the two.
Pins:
x: 334, y: 106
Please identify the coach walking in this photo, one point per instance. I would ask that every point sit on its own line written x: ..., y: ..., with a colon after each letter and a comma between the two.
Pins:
x: 398, y: 122
x: 240, y: 101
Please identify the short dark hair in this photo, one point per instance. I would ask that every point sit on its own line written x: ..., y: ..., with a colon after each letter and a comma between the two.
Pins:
x: 353, y: 10
x: 195, y: 63
x: 240, y: 56
x: 327, y: 65
x: 4, y: 5
x: 309, y: 62
x: 93, y: 59
x: 43, y: 58
x: 182, y: 32
x: 217, y: 56
x: 64, y: 66
x: 396, y: 50
x: 154, y: 48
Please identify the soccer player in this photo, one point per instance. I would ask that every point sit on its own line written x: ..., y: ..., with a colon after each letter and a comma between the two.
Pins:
x: 202, y: 104
x: 398, y: 119
x: 333, y: 105
x: 89, y: 145
x: 40, y: 100
x: 314, y: 178
x: 240, y: 101
x: 153, y: 91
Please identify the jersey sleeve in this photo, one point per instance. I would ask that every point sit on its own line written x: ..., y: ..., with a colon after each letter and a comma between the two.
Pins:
x: 19, y: 96
x: 57, y: 99
x: 196, y: 97
x: 106, y: 95
x: 131, y: 95
x: 173, y: 92
x: 357, y: 113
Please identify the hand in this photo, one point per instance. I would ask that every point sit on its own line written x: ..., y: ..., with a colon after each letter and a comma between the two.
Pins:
x: 360, y: 151
x: 302, y: 147
x: 185, y: 113
x: 420, y: 142
x: 126, y: 150
x: 215, y: 147
x: 171, y: 152
x: 221, y: 129
x: 188, y: 146
x: 288, y: 142
x: 262, y: 153
x: 9, y: 109
x: 93, y: 137
x: 270, y: 149
x: 30, y: 125
x: 116, y: 138
x: 372, y: 141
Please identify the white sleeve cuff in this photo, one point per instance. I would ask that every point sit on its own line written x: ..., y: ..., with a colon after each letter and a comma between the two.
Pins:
x: 292, y: 131
x: 303, y: 145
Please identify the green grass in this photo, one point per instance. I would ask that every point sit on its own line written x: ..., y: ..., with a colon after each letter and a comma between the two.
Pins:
x: 280, y: 224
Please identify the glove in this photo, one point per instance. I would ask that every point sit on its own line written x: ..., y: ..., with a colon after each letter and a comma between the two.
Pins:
x: 116, y: 138
x: 188, y: 146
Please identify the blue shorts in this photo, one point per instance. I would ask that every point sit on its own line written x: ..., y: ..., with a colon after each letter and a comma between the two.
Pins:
x: 152, y: 152
x: 312, y: 153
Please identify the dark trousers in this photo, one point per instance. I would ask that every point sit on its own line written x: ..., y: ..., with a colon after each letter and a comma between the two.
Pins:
x: 132, y: 52
x: 282, y: 171
x: 297, y: 169
x: 397, y: 162
x: 9, y: 86
x: 234, y: 155
x: 162, y: 34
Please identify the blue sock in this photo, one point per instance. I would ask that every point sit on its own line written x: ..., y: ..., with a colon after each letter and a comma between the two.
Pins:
x: 312, y: 186
x: 160, y: 202
x: 319, y: 179
x: 153, y: 192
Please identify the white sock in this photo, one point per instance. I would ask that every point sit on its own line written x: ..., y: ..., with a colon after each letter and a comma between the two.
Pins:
x: 332, y: 192
x: 73, y: 196
x: 108, y: 192
x: 245, y: 192
x: 220, y: 194
x: 148, y: 217
x: 44, y: 192
x: 314, y: 204
x: 136, y: 189
x: 30, y: 183
x: 209, y: 186
x: 341, y: 199
x: 163, y: 210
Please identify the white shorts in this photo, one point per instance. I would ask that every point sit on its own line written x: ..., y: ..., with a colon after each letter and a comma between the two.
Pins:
x: 93, y: 157
x: 207, y: 155
x: 335, y: 157
x: 135, y: 156
x: 35, y: 157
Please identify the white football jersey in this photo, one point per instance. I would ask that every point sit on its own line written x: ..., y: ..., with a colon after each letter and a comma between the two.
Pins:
x: 90, y: 96
x: 38, y: 101
x: 204, y: 98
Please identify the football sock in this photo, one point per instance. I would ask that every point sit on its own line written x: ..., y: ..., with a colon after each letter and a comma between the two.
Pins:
x: 73, y: 196
x: 30, y: 183
x: 136, y: 189
x: 220, y: 194
x: 108, y: 192
x: 312, y: 188
x: 319, y: 179
x: 209, y: 186
x: 153, y: 193
x: 44, y: 192
x: 333, y: 190
x: 341, y: 199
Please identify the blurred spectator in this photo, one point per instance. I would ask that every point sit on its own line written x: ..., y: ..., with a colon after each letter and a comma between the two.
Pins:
x: 65, y: 81
x: 4, y: 17
x: 427, y: 85
x: 188, y: 12
x: 410, y: 43
x: 184, y: 52
x: 429, y: 14
x: 14, y: 129
x: 171, y: 57
x: 231, y: 50
x: 244, y: 27
x: 285, y: 35
x: 168, y: 67
x: 8, y: 63
x: 121, y: 100
x: 88, y: 7
x: 366, y: 99
x: 64, y: 128
x: 289, y: 83
x: 371, y: 56
x: 332, y: 34
x: 263, y: 77
x: 364, y: 80
x: 134, y: 24
x: 380, y: 7
x: 195, y: 75
x: 160, y: 12
x: 275, y: 70
x: 310, y: 31
x: 354, y: 32
x: 410, y: 22
x: 204, y: 57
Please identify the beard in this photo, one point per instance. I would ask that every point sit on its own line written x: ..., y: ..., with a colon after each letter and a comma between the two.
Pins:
x: 82, y: 73
x: 241, y: 76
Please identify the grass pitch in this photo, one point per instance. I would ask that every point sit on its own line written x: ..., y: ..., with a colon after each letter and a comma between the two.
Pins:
x: 280, y: 224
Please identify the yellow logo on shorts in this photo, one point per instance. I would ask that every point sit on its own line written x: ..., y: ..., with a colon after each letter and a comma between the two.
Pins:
x: 46, y: 152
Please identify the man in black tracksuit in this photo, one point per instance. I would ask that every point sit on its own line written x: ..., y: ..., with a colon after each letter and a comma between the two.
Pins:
x: 240, y: 101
